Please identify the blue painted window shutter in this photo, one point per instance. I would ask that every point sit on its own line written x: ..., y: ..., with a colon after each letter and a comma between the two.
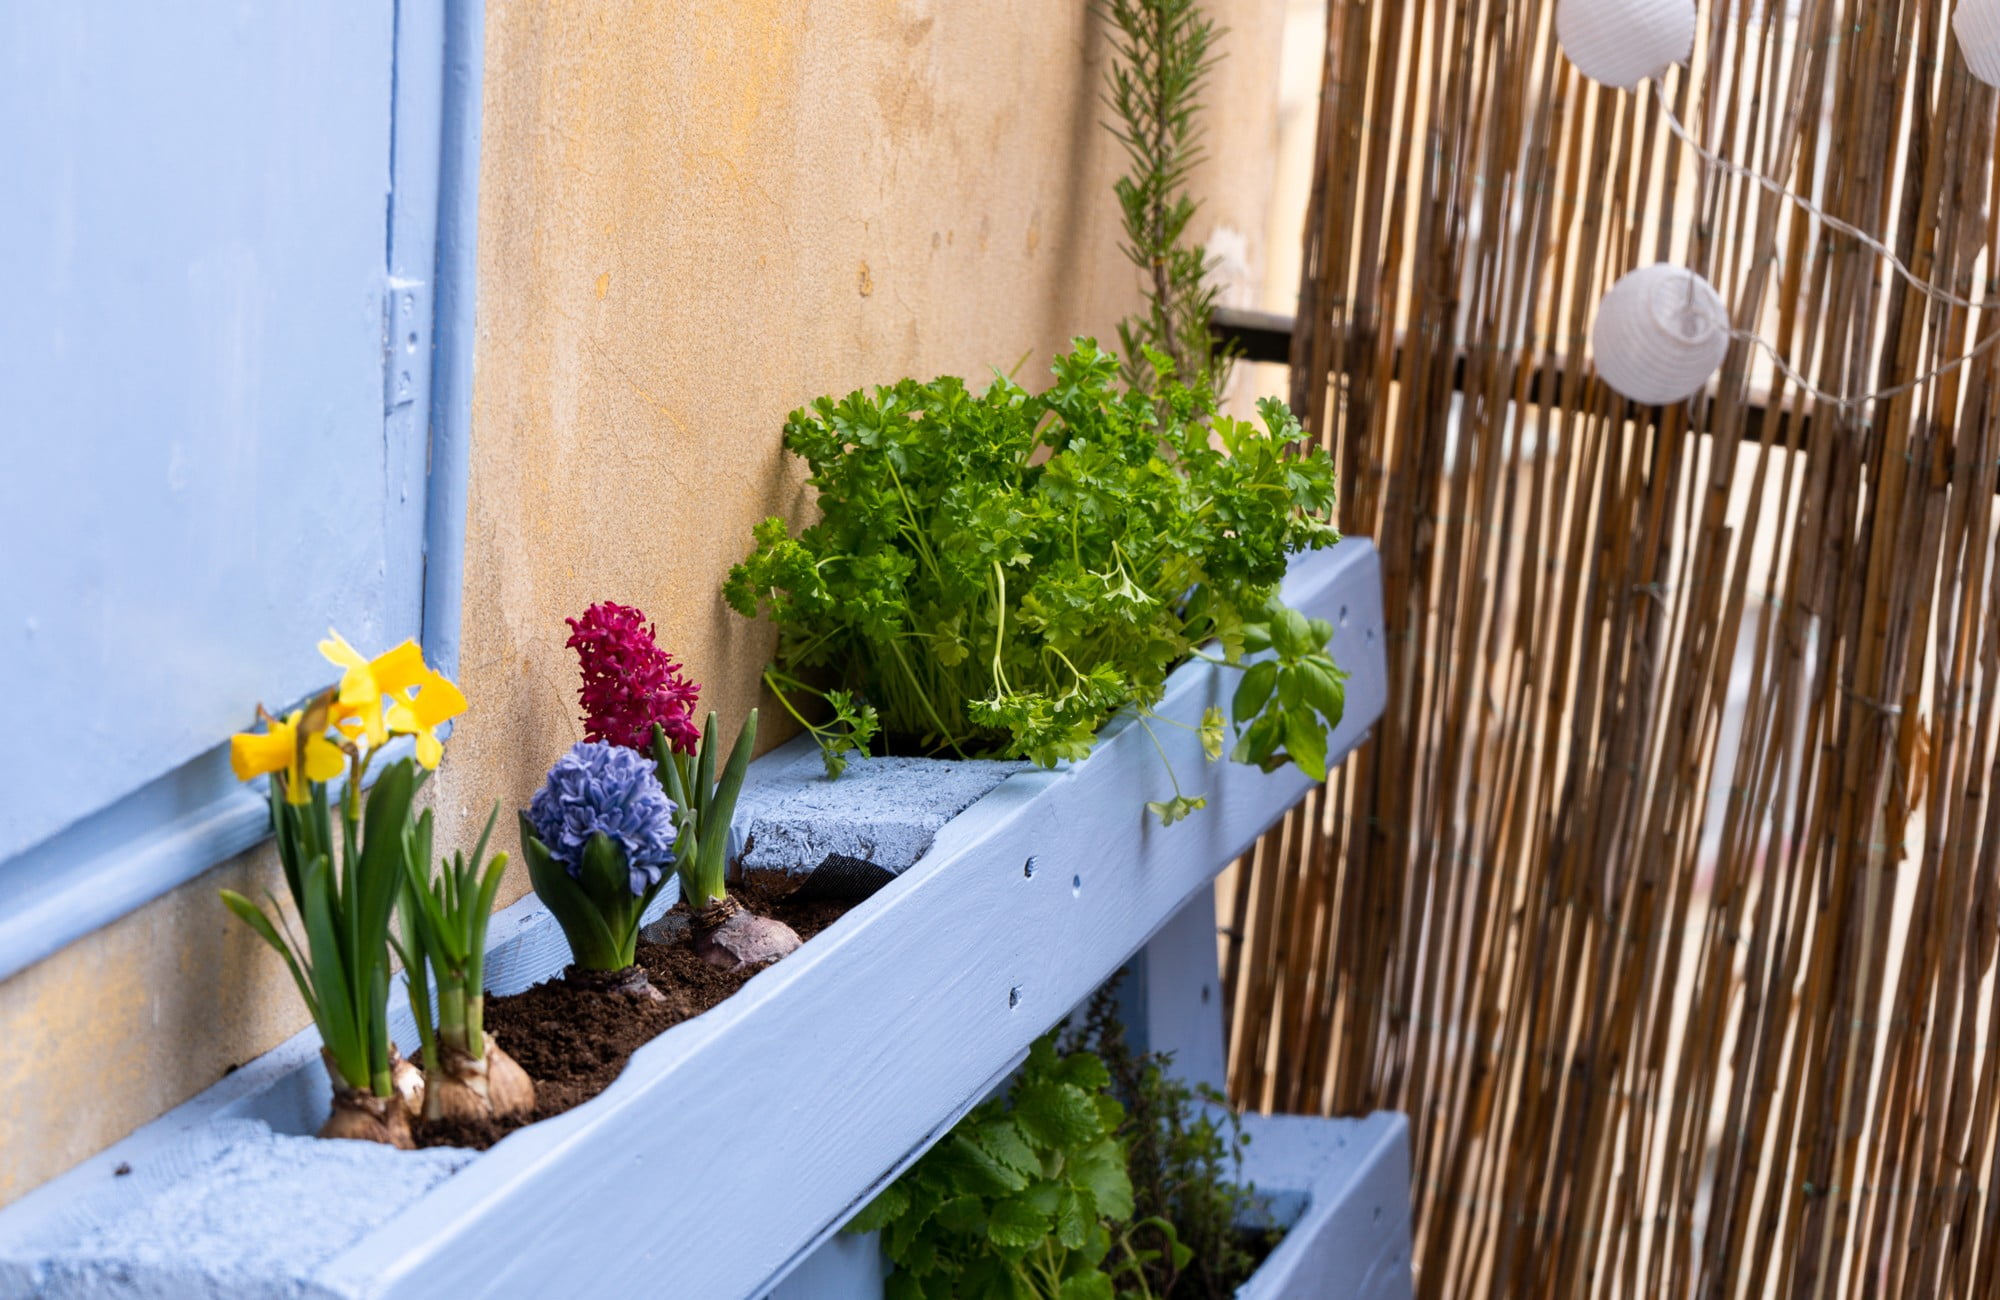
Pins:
x: 215, y: 357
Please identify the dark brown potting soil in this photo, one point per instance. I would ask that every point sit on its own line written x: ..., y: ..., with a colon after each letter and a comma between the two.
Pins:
x: 574, y: 1043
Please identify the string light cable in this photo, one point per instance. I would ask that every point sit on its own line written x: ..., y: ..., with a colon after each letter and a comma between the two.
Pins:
x: 1661, y: 332
x: 1935, y: 292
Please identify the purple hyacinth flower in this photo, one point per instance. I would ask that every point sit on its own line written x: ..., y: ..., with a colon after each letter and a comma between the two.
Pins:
x: 599, y: 788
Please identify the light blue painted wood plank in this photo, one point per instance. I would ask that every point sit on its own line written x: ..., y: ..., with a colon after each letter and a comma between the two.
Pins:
x: 1171, y: 1000
x: 1352, y: 1239
x: 409, y: 302
x: 456, y: 280
x: 845, y: 1268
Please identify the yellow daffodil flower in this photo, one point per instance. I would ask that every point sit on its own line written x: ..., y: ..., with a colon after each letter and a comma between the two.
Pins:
x: 281, y: 748
x: 358, y: 721
x: 365, y: 683
x: 438, y: 700
x: 352, y: 723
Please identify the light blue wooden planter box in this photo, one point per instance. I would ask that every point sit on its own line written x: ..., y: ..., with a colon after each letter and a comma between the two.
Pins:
x: 1340, y: 1188
x: 734, y: 1145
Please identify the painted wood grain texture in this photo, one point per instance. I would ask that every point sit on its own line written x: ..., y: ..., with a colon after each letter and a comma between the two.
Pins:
x: 1352, y: 1239
x: 736, y: 1141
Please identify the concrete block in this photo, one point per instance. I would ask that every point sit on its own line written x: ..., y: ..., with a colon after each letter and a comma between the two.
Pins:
x: 792, y: 817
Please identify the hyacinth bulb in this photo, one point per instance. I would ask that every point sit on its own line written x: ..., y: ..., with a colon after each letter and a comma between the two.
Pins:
x: 731, y: 937
x: 1660, y: 333
x: 1977, y: 26
x: 1622, y: 42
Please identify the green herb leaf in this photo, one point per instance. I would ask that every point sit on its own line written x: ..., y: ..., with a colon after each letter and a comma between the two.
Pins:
x: 1083, y: 1070
x: 962, y: 1214
x: 1001, y: 1139
x: 1086, y: 1286
x: 1017, y: 1224
x: 1075, y: 1211
x: 1254, y: 690
x: 998, y: 573
x: 1172, y: 810
x: 1325, y: 688
x: 1100, y: 1170
x: 969, y: 1166
x: 1305, y: 741
x: 1055, y: 1114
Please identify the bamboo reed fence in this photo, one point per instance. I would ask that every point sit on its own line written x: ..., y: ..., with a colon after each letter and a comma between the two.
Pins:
x: 1665, y: 899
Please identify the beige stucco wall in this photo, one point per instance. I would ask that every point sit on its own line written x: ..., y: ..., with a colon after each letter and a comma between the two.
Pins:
x: 693, y: 218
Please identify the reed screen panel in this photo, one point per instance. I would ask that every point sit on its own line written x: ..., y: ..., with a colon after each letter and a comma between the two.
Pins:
x: 1665, y: 899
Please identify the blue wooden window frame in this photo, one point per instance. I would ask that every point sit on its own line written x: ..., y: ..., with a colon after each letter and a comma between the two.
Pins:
x: 187, y: 820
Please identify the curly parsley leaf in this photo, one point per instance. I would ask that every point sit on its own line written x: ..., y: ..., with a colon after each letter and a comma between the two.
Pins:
x: 996, y: 574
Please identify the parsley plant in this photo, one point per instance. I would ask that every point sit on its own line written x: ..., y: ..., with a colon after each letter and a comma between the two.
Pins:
x: 996, y: 574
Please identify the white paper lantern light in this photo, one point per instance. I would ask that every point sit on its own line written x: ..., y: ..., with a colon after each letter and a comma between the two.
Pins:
x: 1977, y: 24
x: 1660, y: 333
x: 1623, y: 42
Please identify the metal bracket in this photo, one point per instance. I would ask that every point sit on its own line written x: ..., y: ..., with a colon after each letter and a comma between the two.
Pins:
x: 406, y: 327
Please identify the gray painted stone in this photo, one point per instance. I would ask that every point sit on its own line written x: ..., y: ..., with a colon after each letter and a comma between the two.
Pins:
x: 232, y: 1209
x: 792, y: 817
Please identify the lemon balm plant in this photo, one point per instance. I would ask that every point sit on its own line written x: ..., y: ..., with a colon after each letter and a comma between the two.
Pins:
x: 344, y: 862
x: 1028, y: 1198
x: 996, y: 574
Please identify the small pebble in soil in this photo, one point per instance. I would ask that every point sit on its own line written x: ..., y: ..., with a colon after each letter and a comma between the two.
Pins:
x: 669, y: 929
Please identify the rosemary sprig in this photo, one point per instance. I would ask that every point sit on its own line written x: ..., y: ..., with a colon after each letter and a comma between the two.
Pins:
x: 1165, y: 52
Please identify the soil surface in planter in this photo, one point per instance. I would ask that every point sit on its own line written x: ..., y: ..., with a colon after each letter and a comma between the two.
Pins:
x: 574, y: 1043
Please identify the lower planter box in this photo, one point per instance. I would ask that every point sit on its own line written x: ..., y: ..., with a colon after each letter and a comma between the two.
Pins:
x: 736, y: 1142
x: 1340, y: 1189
